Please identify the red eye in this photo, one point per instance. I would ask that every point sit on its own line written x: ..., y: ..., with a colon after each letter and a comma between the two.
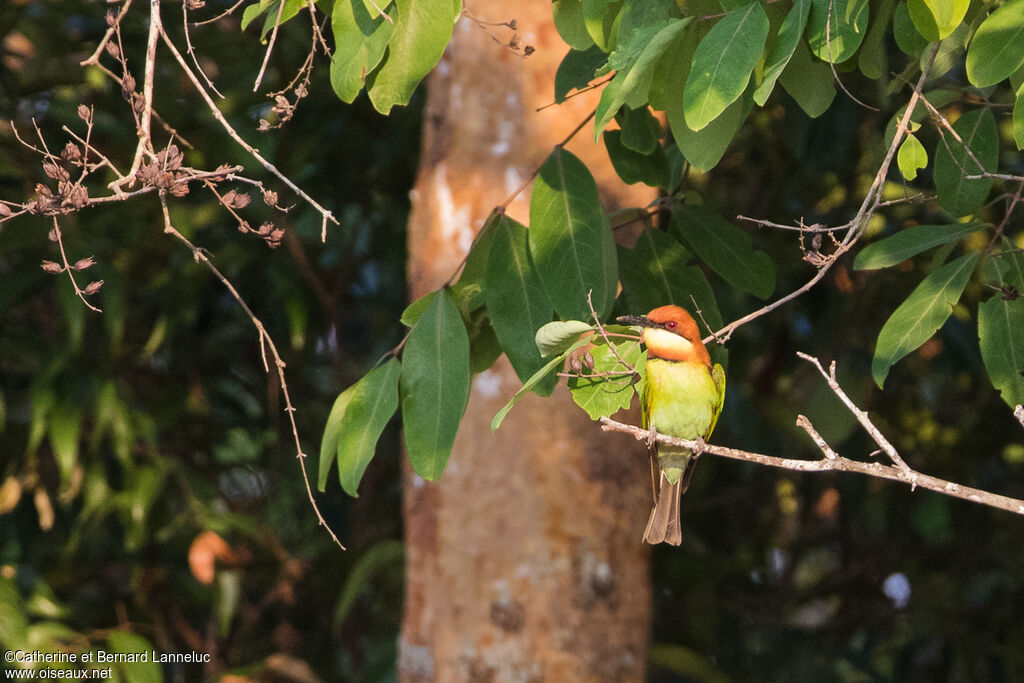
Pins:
x: 671, y: 324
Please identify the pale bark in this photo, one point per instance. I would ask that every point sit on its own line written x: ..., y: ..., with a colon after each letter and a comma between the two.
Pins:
x: 524, y: 562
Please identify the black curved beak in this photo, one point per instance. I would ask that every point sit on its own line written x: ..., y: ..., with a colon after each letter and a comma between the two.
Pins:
x: 640, y: 320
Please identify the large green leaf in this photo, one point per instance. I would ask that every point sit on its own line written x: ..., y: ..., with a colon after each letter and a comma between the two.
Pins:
x: 434, y: 385
x: 372, y: 403
x: 329, y: 441
x: 599, y: 16
x: 361, y: 35
x: 790, y: 33
x: 568, y: 15
x: 836, y: 28
x: 516, y: 300
x: 558, y: 335
x: 958, y: 194
x: 910, y: 242
x: 921, y: 315
x: 577, y: 70
x: 655, y: 273
x: 570, y: 239
x: 997, y: 49
x: 908, y: 38
x: 422, y: 31
x: 640, y: 130
x: 635, y: 73
x: 1000, y: 322
x: 726, y: 248
x: 936, y: 19
x: 722, y: 64
x: 605, y: 396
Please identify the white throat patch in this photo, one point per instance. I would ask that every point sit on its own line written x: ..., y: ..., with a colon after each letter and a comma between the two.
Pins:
x: 663, y: 339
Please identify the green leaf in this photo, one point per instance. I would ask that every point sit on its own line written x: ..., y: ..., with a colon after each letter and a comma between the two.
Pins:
x: 373, y: 402
x: 847, y: 23
x: 605, y: 396
x: 809, y: 81
x: 329, y: 441
x: 472, y: 277
x: 921, y: 315
x: 722, y: 64
x: 908, y: 38
x: 1018, y: 119
x: 599, y: 16
x: 413, y: 311
x: 125, y: 643
x: 361, y: 35
x: 936, y: 19
x: 910, y: 242
x: 434, y: 386
x: 937, y: 98
x: 422, y: 31
x: 577, y: 70
x: 538, y: 376
x: 635, y: 75
x: 705, y: 149
x: 568, y: 15
x: 873, y: 58
x: 255, y: 10
x: 997, y: 49
x: 790, y: 33
x: 726, y: 248
x: 911, y: 157
x: 655, y: 273
x: 1000, y: 322
x: 570, y: 240
x: 640, y: 130
x: 634, y: 167
x: 484, y: 348
x: 516, y: 301
x: 559, y: 335
x: 65, y: 428
x: 957, y: 194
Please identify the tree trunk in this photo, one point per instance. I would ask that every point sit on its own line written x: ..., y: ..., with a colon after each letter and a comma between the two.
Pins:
x: 524, y: 562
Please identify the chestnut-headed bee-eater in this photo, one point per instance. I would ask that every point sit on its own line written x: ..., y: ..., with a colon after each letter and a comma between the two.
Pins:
x: 682, y: 397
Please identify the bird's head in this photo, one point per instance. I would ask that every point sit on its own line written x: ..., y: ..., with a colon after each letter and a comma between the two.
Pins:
x: 670, y: 333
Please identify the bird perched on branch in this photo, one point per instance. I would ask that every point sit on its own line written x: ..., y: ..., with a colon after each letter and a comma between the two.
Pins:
x: 682, y: 397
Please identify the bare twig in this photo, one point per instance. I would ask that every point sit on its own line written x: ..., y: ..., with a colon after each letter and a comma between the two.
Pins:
x: 600, y: 328
x: 270, y: 47
x: 831, y: 464
x: 266, y: 342
x: 67, y: 266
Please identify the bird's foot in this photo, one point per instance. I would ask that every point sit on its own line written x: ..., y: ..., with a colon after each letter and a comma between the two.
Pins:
x: 652, y: 437
x: 702, y: 446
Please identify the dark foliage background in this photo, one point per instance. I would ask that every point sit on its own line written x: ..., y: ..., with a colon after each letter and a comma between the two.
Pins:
x: 176, y: 429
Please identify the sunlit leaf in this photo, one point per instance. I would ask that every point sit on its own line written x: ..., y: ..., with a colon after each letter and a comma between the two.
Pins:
x: 605, y: 396
x: 997, y: 48
x: 911, y: 157
x: 836, y: 28
x: 921, y: 315
x: 557, y: 336
x: 936, y: 19
x: 361, y: 35
x: 910, y: 242
x: 373, y: 402
x: 790, y: 34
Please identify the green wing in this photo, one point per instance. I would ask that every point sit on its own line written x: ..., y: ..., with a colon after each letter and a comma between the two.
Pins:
x: 718, y: 375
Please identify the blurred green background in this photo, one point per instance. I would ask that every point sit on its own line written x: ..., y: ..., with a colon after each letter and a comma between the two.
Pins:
x: 125, y: 436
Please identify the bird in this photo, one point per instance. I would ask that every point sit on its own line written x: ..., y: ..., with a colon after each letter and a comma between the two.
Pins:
x: 682, y: 396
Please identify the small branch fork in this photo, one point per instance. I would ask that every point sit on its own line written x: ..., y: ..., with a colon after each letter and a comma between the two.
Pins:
x: 832, y: 461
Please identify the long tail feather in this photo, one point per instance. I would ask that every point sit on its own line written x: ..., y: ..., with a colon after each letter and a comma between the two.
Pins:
x: 664, y: 525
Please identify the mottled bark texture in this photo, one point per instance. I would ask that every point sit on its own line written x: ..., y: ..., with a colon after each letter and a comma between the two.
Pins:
x: 524, y: 562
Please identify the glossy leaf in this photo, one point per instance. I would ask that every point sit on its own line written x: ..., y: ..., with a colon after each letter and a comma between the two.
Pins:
x: 836, y: 28
x: 726, y: 248
x: 422, y: 31
x: 722, y: 64
x: 570, y: 240
x: 936, y: 19
x: 434, y: 386
x: 558, y: 335
x: 634, y: 74
x: 372, y: 404
x: 516, y: 300
x: 605, y: 396
x: 997, y: 48
x: 361, y: 36
x: 910, y: 242
x: 958, y: 194
x: 568, y: 15
x: 790, y: 34
x: 921, y: 315
x: 538, y: 377
x: 911, y: 157
x: 1000, y: 321
x: 634, y: 167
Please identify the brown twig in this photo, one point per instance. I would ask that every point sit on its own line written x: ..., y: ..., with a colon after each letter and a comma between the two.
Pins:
x: 266, y: 342
x: 67, y: 266
x: 600, y: 328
